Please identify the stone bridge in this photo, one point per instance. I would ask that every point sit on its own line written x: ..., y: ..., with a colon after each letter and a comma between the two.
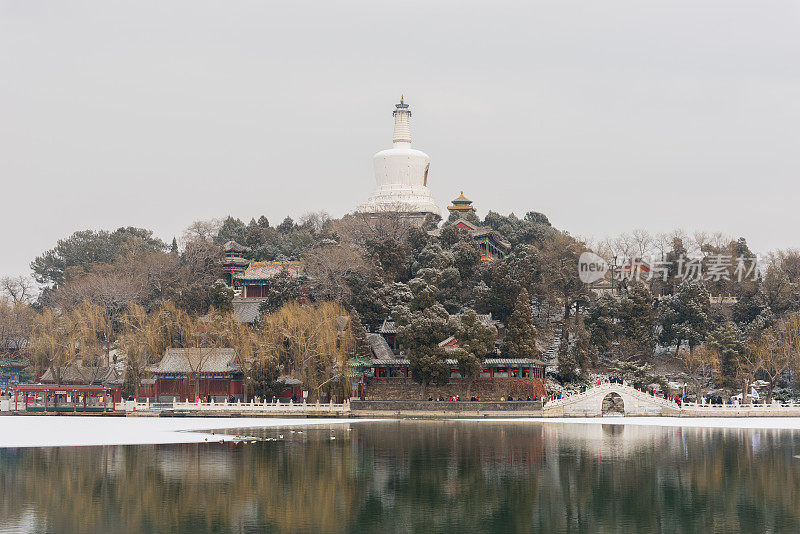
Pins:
x: 610, y: 399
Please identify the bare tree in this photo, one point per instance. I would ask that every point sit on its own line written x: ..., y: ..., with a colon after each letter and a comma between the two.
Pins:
x: 642, y: 242
x: 16, y: 320
x: 358, y: 228
x: 20, y: 289
x: 700, y: 365
x: 781, y: 350
x: 316, y: 220
x: 330, y: 267
x: 205, y: 230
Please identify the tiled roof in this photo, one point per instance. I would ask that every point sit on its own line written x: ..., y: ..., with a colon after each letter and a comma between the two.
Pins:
x: 461, y: 198
x: 78, y: 374
x: 380, y: 348
x: 388, y: 327
x: 206, y: 360
x: 233, y: 246
x: 235, y: 260
x: 246, y: 309
x: 264, y: 270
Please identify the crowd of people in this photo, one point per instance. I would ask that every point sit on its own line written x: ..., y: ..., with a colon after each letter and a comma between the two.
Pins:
x: 457, y: 398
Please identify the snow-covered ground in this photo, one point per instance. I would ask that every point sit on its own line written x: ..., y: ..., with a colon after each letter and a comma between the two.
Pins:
x: 38, y: 431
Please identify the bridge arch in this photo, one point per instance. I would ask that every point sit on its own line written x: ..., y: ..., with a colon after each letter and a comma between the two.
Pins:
x: 610, y: 398
x: 613, y: 404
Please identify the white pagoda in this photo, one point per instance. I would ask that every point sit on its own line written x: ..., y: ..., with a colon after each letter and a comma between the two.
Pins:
x: 401, y: 174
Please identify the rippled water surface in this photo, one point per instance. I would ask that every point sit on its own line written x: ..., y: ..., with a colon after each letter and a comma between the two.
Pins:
x: 405, y: 476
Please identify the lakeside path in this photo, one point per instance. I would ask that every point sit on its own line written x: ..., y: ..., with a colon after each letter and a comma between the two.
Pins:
x: 77, y: 431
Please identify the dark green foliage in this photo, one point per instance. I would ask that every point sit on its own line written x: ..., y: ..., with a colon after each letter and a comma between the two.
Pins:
x: 475, y: 336
x: 637, y: 318
x: 728, y: 341
x: 533, y: 229
x: 475, y: 341
x: 686, y: 315
x: 391, y: 256
x: 282, y: 288
x: 231, y: 230
x: 430, y: 367
x: 263, y: 380
x: 520, y: 339
x: 83, y: 250
x: 602, y: 322
x: 288, y: 241
x: 640, y: 375
x: 455, y: 216
x: 421, y: 332
x: 221, y: 297
x: 362, y: 349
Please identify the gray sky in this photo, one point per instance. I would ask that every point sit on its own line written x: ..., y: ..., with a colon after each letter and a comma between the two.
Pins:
x: 606, y: 116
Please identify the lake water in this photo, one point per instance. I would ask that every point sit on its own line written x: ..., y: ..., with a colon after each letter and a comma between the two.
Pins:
x: 416, y: 476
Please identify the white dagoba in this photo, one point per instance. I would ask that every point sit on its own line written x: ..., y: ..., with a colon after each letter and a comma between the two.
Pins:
x: 401, y: 174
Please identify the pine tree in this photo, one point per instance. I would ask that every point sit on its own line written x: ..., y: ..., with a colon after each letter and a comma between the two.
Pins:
x: 520, y: 340
x: 362, y: 348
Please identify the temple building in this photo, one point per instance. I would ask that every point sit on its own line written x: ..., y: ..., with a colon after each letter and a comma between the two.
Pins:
x: 401, y: 174
x: 254, y: 280
x: 234, y: 263
x: 461, y: 205
x: 492, y: 244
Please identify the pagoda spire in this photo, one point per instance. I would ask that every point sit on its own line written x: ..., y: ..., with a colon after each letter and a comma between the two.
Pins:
x: 402, y: 124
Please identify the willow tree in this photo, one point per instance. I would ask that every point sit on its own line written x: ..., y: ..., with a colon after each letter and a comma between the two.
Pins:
x: 53, y: 341
x: 311, y: 343
x: 144, y: 339
x: 97, y: 334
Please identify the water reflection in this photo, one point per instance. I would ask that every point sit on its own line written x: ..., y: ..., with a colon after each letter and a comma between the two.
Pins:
x: 416, y: 477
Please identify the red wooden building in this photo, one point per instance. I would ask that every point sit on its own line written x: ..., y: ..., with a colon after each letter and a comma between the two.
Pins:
x: 65, y: 398
x: 185, y: 374
x: 254, y: 281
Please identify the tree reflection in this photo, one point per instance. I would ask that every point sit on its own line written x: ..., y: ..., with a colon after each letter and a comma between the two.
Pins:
x: 416, y: 477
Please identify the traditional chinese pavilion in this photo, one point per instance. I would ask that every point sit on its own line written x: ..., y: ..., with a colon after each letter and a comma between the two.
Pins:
x: 219, y: 371
x: 254, y: 281
x: 493, y: 246
x: 461, y: 205
x: 175, y: 377
x: 234, y: 263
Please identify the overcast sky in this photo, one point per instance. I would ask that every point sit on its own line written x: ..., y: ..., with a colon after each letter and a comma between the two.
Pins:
x: 604, y: 115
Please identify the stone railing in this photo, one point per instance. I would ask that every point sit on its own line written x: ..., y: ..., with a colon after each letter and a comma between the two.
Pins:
x: 445, y: 407
x: 222, y: 407
x: 610, y: 387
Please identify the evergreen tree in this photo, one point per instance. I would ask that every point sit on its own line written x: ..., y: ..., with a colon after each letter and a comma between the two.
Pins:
x: 231, y: 230
x: 637, y: 318
x: 221, y: 297
x: 520, y: 339
x: 686, y: 315
x: 475, y: 340
x: 282, y: 288
x: 421, y: 332
x: 602, y: 322
x: 728, y: 342
x: 264, y: 377
x: 362, y: 347
x: 174, y: 246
